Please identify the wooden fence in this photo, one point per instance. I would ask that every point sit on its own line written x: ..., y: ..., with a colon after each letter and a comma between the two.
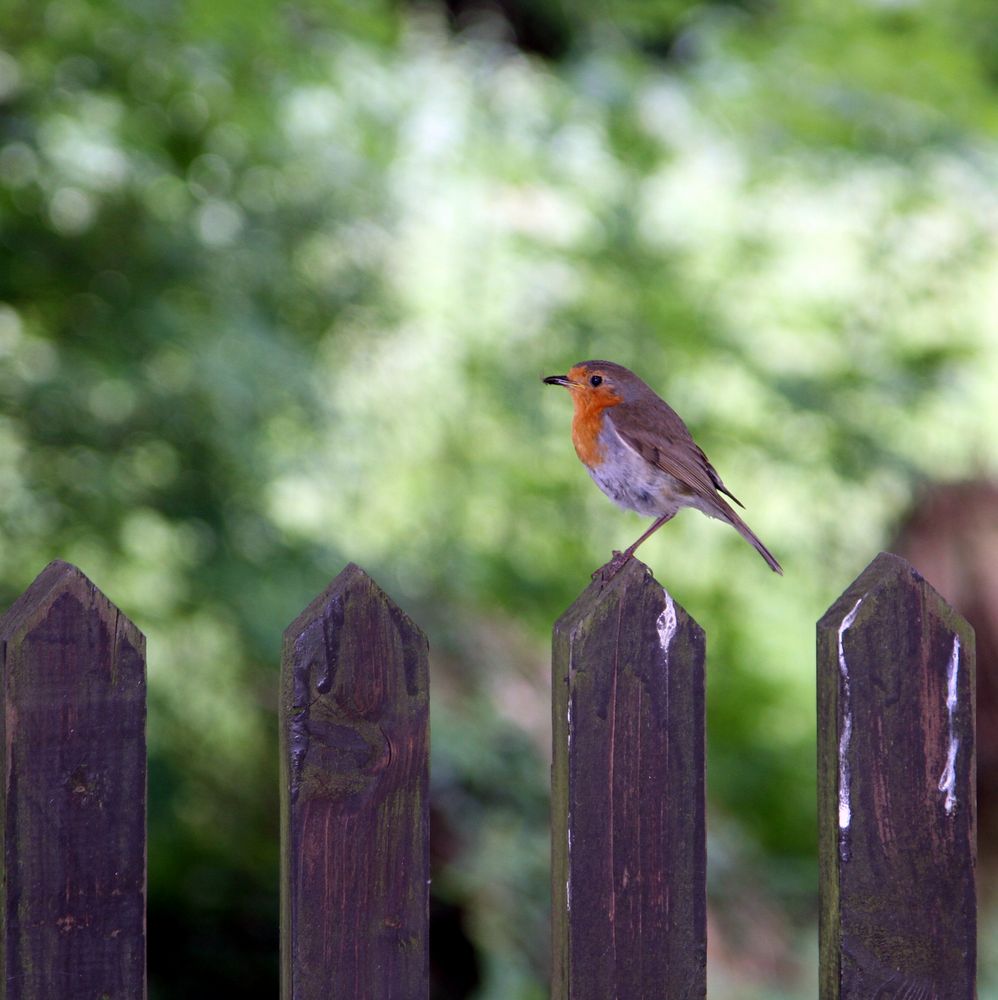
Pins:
x: 896, y: 777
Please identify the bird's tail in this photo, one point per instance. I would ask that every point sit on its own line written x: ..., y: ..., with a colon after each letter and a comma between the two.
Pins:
x: 727, y: 513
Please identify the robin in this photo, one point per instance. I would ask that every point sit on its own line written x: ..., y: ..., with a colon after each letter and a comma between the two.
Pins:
x: 641, y: 454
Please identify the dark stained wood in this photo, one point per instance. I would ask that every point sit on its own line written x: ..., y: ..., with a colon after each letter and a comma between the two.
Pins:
x: 627, y: 829
x: 355, y: 798
x: 896, y: 787
x: 74, y: 798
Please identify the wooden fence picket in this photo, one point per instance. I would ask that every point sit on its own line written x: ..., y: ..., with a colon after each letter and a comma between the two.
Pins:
x: 896, y: 786
x: 355, y: 799
x: 74, y: 796
x: 627, y: 790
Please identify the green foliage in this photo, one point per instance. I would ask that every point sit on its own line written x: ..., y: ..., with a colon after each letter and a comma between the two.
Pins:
x: 278, y: 286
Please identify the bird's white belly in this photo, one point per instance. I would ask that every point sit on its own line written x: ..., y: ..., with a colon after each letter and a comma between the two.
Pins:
x: 631, y: 482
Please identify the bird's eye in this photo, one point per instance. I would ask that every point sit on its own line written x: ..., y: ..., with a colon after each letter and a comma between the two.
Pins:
x: 595, y: 380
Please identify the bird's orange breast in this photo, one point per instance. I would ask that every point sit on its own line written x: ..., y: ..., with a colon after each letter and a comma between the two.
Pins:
x: 587, y: 422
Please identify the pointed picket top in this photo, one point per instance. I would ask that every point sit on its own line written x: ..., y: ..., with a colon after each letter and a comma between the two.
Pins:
x: 73, y: 688
x: 628, y: 799
x: 355, y: 797
x: 890, y: 570
x: 633, y: 578
x: 351, y: 583
x: 59, y: 578
x: 896, y: 790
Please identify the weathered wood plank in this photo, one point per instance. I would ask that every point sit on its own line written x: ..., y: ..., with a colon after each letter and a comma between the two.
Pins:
x: 355, y: 798
x: 628, y: 795
x: 74, y: 798
x: 896, y: 790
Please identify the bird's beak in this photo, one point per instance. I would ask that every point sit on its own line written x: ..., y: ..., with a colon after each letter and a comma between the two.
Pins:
x: 558, y: 380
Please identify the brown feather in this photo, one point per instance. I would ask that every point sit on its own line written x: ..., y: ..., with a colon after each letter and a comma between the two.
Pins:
x: 656, y: 432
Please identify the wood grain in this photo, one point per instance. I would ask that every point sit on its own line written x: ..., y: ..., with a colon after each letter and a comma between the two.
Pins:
x: 355, y: 810
x: 628, y: 837
x: 74, y: 795
x: 896, y: 786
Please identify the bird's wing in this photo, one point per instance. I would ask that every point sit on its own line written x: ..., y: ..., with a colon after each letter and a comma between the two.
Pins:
x: 657, y: 433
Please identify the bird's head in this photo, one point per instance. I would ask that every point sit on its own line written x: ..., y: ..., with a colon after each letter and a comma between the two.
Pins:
x: 598, y: 384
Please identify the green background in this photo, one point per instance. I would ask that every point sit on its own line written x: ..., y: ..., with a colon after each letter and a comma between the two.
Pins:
x: 278, y: 282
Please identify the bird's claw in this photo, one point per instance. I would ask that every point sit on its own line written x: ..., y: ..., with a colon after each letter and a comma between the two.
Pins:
x: 613, y: 567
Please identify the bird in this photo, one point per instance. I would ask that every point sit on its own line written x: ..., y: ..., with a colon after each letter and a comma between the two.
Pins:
x: 641, y: 455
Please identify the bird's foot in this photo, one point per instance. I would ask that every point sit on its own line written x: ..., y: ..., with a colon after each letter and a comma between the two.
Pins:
x: 613, y: 567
